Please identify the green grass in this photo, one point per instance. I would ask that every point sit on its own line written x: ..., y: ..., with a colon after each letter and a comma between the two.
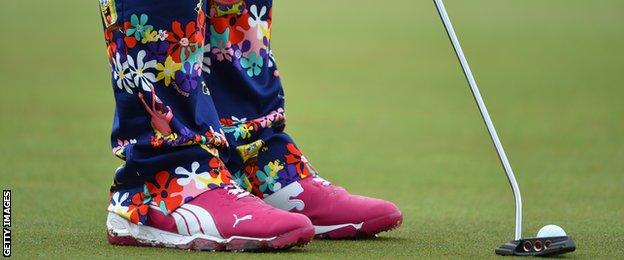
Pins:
x: 378, y: 103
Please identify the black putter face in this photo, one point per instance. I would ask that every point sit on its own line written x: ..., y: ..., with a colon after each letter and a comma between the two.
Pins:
x: 543, y: 246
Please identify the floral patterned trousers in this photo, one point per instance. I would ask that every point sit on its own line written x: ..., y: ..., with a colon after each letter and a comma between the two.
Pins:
x: 199, y: 103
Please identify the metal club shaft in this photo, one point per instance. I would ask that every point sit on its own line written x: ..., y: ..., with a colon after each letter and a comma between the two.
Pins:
x: 484, y: 113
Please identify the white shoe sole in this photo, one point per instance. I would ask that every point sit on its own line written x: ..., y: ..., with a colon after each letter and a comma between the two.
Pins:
x: 123, y: 232
x: 324, y: 229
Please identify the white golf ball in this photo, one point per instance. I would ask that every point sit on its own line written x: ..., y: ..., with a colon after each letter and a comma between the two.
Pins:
x: 551, y: 231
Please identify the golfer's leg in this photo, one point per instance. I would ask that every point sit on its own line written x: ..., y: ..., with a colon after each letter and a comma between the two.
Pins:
x: 174, y: 181
x: 248, y: 94
x: 249, y: 99
x: 165, y: 126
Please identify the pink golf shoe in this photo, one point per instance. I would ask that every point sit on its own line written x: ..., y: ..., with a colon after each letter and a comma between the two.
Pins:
x: 334, y: 212
x: 217, y: 220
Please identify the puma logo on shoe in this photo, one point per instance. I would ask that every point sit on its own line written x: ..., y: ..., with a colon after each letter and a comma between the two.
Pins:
x: 282, y: 198
x: 238, y: 220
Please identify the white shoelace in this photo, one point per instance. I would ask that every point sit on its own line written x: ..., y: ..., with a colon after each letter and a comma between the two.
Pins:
x: 240, y: 193
x: 321, y: 180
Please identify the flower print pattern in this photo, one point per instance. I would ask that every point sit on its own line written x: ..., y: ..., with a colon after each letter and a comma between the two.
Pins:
x: 111, y: 44
x: 157, y: 51
x: 150, y: 36
x: 269, y: 183
x: 162, y: 35
x: 186, y: 176
x: 167, y: 71
x: 209, y: 140
x: 250, y: 168
x: 157, y: 140
x: 139, y: 27
x: 253, y: 64
x: 201, y: 21
x: 222, y: 48
x: 271, y: 62
x: 186, y: 133
x: 241, y: 37
x: 274, y: 166
x: 206, y: 62
x: 241, y: 181
x: 129, y: 40
x: 217, y: 176
x: 195, y: 59
x: 139, y: 207
x: 237, y: 35
x: 244, y: 129
x: 119, y: 203
x: 185, y: 79
x: 269, y: 163
x: 237, y: 25
x: 256, y: 21
x: 140, y: 71
x: 239, y: 131
x: 121, y: 74
x: 185, y: 41
x: 121, y: 146
x: 295, y: 158
x: 269, y: 178
x: 164, y: 192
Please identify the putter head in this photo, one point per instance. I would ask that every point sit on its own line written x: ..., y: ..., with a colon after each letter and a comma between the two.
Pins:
x: 539, y: 246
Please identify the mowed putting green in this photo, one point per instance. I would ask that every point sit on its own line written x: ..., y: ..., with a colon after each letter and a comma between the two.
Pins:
x: 378, y: 103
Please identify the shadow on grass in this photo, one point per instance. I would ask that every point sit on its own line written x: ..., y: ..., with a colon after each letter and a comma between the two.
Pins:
x: 368, y: 239
x: 339, y: 243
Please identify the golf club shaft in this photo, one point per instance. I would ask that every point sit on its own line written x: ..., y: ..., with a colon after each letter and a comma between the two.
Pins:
x: 484, y: 113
